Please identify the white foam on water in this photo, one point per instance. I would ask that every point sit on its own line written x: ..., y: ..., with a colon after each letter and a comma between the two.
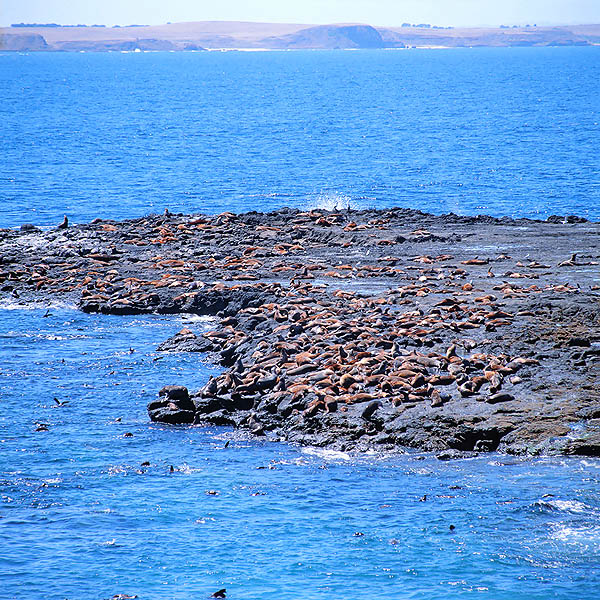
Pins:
x: 189, y: 318
x: 583, y: 534
x: 333, y: 201
x: 48, y: 336
x: 326, y: 454
x: 570, y: 505
x: 187, y: 470
x: 53, y: 480
x: 9, y: 304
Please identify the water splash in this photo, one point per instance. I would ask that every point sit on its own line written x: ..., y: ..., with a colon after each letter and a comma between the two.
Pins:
x: 334, y: 201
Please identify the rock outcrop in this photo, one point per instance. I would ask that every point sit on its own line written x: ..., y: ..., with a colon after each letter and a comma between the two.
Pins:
x: 353, y: 329
x: 329, y: 37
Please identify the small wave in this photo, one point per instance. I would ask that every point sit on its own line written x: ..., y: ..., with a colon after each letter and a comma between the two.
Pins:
x: 35, y: 305
x: 563, y: 506
x: 326, y: 454
x: 573, y: 506
x: 505, y: 462
x: 422, y: 471
x: 116, y: 470
x: 269, y: 195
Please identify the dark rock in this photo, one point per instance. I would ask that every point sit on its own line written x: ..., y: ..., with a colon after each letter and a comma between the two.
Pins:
x: 589, y: 412
x: 186, y: 341
x: 453, y: 454
x: 243, y: 402
x: 156, y: 404
x: 218, y: 417
x: 282, y: 341
x: 228, y: 302
x: 579, y: 342
x: 286, y: 406
x: 177, y: 395
x: 172, y: 417
x: 208, y: 405
x: 588, y: 445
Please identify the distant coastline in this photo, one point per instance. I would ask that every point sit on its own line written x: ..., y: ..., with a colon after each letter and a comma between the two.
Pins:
x: 222, y: 35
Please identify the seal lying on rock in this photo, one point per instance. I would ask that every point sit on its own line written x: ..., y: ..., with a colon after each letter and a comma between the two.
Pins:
x: 174, y: 406
x: 320, y: 315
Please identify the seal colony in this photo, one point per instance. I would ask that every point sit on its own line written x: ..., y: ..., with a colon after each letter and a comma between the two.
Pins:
x: 353, y: 329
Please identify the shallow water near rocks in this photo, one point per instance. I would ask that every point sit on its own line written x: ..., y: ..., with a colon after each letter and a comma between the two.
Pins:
x: 80, y: 517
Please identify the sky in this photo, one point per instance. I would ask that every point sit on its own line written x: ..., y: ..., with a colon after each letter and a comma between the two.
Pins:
x: 466, y: 13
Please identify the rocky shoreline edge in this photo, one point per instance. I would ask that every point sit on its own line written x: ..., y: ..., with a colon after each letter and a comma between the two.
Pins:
x: 353, y: 330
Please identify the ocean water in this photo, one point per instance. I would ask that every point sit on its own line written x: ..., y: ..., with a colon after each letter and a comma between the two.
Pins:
x: 505, y: 132
x: 81, y: 518
x: 509, y: 131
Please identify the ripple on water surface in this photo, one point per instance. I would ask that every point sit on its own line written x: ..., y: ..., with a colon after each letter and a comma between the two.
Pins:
x: 87, y: 511
x: 500, y: 131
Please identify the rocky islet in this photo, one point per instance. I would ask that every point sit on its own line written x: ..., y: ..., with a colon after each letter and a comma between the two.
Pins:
x: 353, y: 329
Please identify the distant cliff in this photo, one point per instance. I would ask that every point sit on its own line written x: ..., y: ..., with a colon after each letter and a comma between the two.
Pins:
x: 501, y: 37
x: 282, y: 36
x: 114, y: 45
x: 329, y: 37
x: 22, y: 42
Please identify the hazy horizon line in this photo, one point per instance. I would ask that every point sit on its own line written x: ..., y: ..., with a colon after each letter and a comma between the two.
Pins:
x: 281, y: 22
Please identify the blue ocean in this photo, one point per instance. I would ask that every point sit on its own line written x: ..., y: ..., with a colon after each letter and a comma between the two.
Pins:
x: 96, y: 501
x: 508, y: 131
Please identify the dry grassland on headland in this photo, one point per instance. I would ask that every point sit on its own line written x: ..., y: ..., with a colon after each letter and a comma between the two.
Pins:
x: 276, y: 36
